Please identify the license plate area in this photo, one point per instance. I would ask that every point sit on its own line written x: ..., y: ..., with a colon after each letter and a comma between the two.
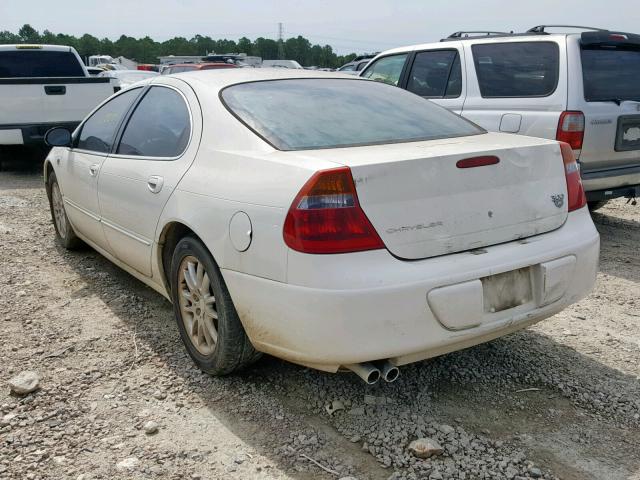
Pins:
x: 507, y: 290
x: 628, y: 133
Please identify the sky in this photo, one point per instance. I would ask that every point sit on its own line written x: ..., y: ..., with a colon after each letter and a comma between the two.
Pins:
x: 348, y: 25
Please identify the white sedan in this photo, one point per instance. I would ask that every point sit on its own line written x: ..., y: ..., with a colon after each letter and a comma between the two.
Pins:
x: 335, y: 222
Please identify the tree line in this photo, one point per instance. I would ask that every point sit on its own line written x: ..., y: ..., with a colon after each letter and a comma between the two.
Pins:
x: 147, y: 50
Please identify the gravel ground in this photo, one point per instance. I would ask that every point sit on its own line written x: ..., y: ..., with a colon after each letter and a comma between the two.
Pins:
x: 559, y: 400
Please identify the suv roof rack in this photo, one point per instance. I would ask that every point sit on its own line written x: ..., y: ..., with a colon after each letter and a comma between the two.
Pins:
x: 477, y: 33
x: 541, y: 28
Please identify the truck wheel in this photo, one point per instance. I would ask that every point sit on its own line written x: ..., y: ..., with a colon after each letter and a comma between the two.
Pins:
x: 596, y: 205
x: 64, y: 231
x: 207, y: 319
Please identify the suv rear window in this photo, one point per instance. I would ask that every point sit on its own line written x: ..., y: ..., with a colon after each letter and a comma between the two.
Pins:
x: 611, y: 74
x: 298, y: 114
x: 38, y: 63
x: 517, y: 69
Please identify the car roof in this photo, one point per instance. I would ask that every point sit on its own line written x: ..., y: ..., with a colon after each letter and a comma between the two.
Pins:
x: 200, y: 65
x: 447, y: 43
x: 221, y: 78
x: 36, y: 46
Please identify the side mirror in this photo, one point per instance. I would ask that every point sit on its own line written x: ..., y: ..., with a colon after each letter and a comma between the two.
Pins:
x: 58, y: 137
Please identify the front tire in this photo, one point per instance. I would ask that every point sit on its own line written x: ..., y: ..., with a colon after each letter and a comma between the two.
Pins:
x: 64, y: 231
x: 207, y: 319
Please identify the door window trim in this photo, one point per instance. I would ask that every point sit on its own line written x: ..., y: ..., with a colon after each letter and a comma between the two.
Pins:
x: 411, y: 60
x: 78, y: 131
x: 127, y: 118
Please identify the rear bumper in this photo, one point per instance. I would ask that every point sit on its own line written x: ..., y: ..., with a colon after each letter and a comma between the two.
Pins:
x: 343, y: 309
x: 30, y: 134
x: 611, y: 183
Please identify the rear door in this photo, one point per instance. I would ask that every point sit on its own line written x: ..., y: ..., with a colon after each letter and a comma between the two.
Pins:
x: 437, y: 74
x: 155, y: 148
x: 516, y: 86
x: 606, y: 89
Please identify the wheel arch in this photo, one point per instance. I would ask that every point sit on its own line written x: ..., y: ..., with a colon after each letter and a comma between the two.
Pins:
x: 172, y: 232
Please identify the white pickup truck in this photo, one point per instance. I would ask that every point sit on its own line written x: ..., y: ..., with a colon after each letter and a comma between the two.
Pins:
x: 44, y: 86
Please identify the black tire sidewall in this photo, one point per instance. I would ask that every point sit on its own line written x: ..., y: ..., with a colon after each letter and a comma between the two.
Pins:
x: 190, y: 246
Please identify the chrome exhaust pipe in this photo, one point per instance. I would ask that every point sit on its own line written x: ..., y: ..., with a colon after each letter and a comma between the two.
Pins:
x: 366, y: 371
x: 389, y: 372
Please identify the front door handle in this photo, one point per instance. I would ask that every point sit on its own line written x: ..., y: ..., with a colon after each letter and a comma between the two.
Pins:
x: 93, y: 169
x: 155, y: 183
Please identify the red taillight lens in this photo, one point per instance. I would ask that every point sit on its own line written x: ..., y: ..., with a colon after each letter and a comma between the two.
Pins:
x: 571, y: 129
x: 575, y: 192
x: 326, y: 217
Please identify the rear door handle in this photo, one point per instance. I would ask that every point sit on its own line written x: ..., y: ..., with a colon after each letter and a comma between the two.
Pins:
x: 93, y: 169
x: 155, y: 183
x: 55, y: 89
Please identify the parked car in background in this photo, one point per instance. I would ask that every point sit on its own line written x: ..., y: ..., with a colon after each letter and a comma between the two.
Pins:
x: 123, y: 78
x: 402, y: 233
x: 356, y: 65
x: 189, y: 67
x: 43, y: 86
x: 581, y: 88
x: 281, y: 64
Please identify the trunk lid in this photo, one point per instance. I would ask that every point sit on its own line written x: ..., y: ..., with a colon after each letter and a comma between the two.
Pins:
x: 422, y: 204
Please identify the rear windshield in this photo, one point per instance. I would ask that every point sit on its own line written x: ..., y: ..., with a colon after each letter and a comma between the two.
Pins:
x: 38, y: 63
x: 517, y: 69
x: 611, y: 74
x: 297, y: 114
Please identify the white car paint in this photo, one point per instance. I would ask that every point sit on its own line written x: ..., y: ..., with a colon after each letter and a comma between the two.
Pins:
x: 327, y: 311
x: 603, y: 167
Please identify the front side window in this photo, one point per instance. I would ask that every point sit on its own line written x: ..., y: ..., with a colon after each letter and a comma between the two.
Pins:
x: 436, y: 74
x: 298, y: 114
x: 39, y: 63
x: 517, y: 69
x: 347, y: 68
x: 99, y: 131
x: 386, y: 69
x: 159, y: 127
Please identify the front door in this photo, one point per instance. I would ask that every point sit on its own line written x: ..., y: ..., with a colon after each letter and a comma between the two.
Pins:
x: 155, y: 149
x: 80, y: 167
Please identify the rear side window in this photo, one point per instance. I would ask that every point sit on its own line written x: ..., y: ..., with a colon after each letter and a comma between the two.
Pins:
x: 159, y: 127
x: 386, y: 69
x: 611, y: 73
x: 361, y: 65
x: 517, y: 69
x: 310, y: 113
x: 436, y: 74
x: 39, y: 63
x: 99, y: 131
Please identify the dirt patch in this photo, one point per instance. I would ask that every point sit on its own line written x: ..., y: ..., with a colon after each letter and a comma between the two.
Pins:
x: 561, y: 399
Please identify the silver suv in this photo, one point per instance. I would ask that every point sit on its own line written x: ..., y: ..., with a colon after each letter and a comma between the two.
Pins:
x: 582, y: 88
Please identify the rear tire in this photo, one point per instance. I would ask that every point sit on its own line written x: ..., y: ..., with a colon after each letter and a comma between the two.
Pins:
x: 64, y: 231
x: 207, y: 319
x: 596, y: 205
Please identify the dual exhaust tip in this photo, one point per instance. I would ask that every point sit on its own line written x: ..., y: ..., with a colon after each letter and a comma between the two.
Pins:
x: 371, y: 373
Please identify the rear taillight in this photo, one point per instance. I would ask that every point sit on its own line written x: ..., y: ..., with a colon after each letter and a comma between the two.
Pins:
x: 575, y: 192
x: 571, y: 129
x: 326, y: 216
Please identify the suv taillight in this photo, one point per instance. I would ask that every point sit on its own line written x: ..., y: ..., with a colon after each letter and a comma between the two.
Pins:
x: 575, y: 191
x: 571, y: 129
x: 326, y: 217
